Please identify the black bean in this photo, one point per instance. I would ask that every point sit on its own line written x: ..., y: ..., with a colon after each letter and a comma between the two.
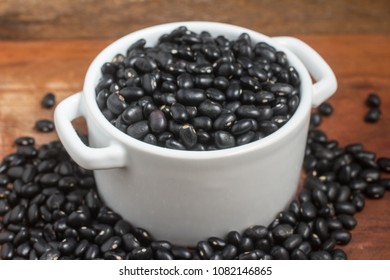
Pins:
x: 308, y: 211
x: 17, y: 214
x: 215, y: 94
x: 130, y: 242
x: 190, y: 97
x: 163, y: 245
x: 185, y: 80
x: 385, y: 182
x: 138, y: 130
x: 373, y: 100
x: 107, y: 216
x: 145, y: 64
x: 358, y: 185
x: 241, y: 126
x: 348, y: 221
x: 297, y: 254
x: 15, y: 172
x: 24, y: 141
x: 188, y: 135
x: 150, y: 139
x: 163, y: 254
x: 345, y: 208
x: 384, y: 164
x: 229, y: 252
x: 250, y: 255
x: 320, y: 255
x: 23, y: 250
x: 282, y: 231
x: 179, y: 113
x: 7, y: 251
x: 373, y: 115
x: 339, y: 254
x: 157, y: 121
x: 22, y: 236
x: 263, y: 244
x: 48, y: 100
x: 315, y: 119
x: 78, y: 218
x: 174, y: 144
x: 279, y: 253
x: 116, y: 103
x: 246, y: 138
x: 67, y: 246
x: 325, y: 109
x: 375, y: 191
x: 294, y: 207
x: 321, y: 228
x: 319, y: 198
x: 217, y: 243
x: 141, y: 253
x: 224, y: 139
x: 221, y: 83
x: 4, y: 206
x: 132, y: 115
x: 231, y: 107
x: 268, y: 127
x: 344, y: 194
x: 87, y: 233
x: 202, y: 122
x: 27, y: 151
x: 210, y: 109
x: 92, y: 252
x: 248, y: 111
x: 181, y: 253
x: 287, y: 217
x: 265, y: 51
x: 111, y: 244
x: 281, y: 89
x: 370, y: 175
x: 6, y: 236
x: 366, y: 158
x: 342, y: 236
x: 104, y: 232
x: 224, y: 121
x: 246, y: 245
x: 292, y: 241
x: 149, y: 82
x: 142, y: 235
x: 122, y: 227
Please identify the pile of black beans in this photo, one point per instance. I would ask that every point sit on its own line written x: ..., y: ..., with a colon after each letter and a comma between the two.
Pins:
x: 50, y: 209
x: 195, y: 92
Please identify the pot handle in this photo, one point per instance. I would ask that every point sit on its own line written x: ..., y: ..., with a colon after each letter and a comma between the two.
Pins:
x: 113, y: 156
x: 326, y: 83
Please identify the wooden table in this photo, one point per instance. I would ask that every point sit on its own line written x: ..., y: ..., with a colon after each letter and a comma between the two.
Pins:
x: 29, y: 69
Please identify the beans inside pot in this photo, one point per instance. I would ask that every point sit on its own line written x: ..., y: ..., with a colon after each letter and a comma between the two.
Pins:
x: 232, y: 92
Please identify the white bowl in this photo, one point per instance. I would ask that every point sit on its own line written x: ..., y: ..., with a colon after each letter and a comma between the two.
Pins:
x: 186, y: 196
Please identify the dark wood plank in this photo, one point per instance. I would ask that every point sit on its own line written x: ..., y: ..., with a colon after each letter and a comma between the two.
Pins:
x: 30, y: 69
x: 60, y: 19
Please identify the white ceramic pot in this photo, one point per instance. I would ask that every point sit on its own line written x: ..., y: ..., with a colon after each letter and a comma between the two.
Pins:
x: 186, y: 196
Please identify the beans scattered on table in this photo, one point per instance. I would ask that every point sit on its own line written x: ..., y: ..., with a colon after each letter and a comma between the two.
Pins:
x: 51, y: 210
x: 197, y: 92
x: 48, y: 100
x: 44, y: 125
x: 373, y: 101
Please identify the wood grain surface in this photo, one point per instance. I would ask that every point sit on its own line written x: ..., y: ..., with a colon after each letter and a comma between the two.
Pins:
x: 71, y: 19
x: 47, y: 46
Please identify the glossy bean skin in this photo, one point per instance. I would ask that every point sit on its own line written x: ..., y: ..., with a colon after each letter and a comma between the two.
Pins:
x: 209, y: 78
